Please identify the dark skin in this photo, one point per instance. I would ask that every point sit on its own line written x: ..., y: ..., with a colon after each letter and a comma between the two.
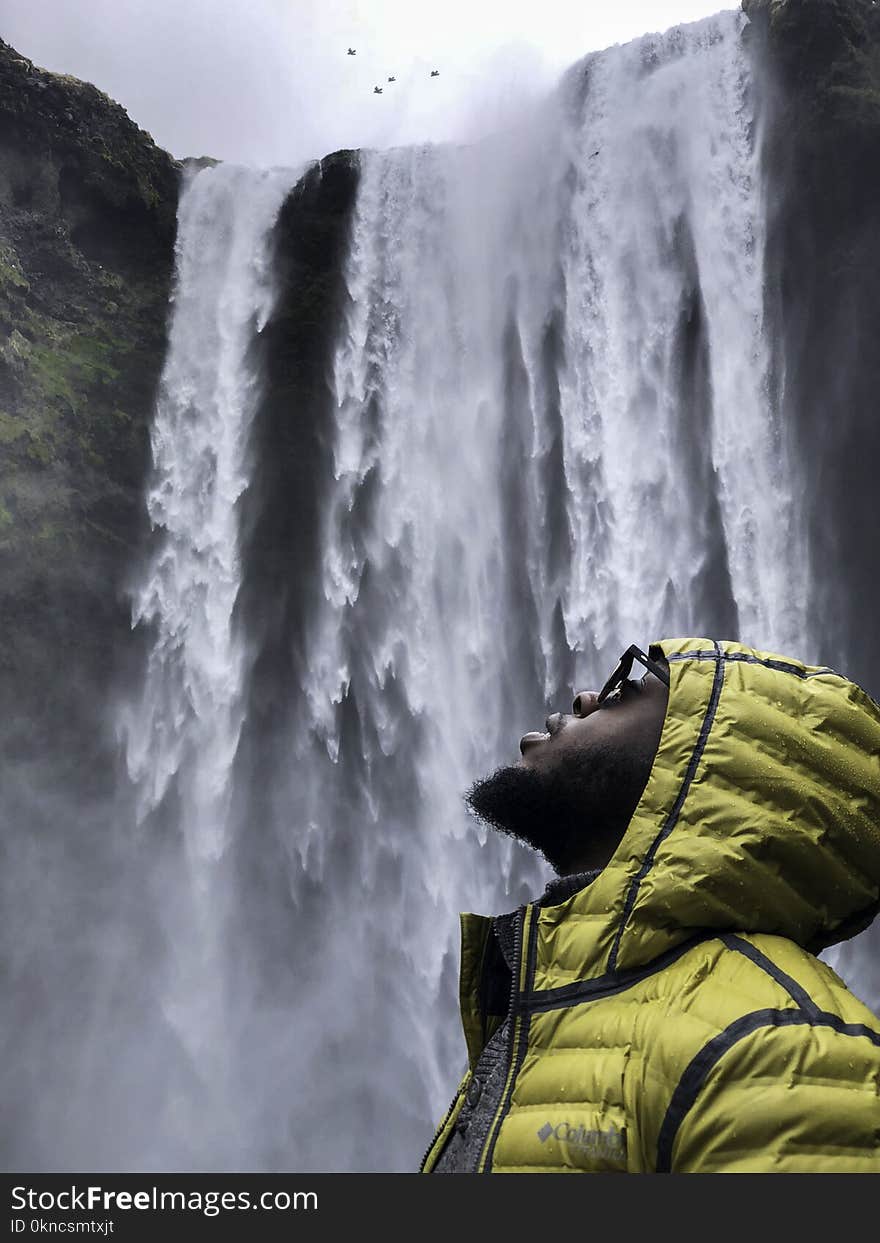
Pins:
x: 576, y: 786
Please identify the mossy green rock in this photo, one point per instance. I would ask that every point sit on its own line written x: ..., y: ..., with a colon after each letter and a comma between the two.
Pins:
x: 87, y: 225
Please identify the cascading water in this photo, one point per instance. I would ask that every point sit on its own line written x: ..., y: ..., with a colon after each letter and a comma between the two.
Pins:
x: 182, y: 735
x: 189, y: 720
x: 666, y: 224
x: 556, y: 433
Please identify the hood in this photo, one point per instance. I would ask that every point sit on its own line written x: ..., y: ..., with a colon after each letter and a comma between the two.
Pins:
x: 760, y: 814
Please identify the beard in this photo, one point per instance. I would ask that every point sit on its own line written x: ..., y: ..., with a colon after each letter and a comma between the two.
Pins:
x: 574, y: 813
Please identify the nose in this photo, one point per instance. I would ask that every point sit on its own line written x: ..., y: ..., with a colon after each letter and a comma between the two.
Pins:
x: 585, y: 703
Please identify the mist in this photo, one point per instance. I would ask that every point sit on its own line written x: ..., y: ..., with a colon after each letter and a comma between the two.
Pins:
x: 270, y: 82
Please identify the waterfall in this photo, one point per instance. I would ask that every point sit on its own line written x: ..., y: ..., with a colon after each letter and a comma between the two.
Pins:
x: 182, y: 734
x: 556, y: 434
x: 187, y: 725
x: 664, y: 273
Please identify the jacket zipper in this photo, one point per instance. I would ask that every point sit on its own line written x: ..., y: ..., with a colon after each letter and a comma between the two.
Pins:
x: 462, y: 1088
x: 511, y: 1048
x: 514, y: 985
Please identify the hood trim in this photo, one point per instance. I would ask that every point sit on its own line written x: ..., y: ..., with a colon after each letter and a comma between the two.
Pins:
x: 672, y: 818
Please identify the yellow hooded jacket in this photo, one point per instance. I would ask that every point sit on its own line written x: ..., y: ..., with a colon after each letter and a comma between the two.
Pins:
x: 672, y: 1016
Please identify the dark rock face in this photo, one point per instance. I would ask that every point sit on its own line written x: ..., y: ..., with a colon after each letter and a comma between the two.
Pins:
x: 291, y: 454
x: 292, y: 436
x: 820, y: 66
x: 87, y: 224
x: 820, y: 63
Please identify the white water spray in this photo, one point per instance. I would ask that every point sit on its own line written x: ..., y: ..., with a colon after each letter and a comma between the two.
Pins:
x: 668, y: 207
x: 181, y: 737
x: 187, y: 725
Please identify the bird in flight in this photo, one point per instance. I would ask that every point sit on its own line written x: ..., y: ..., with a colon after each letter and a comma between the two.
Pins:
x: 435, y: 73
x: 392, y: 79
x: 377, y: 90
x: 352, y: 52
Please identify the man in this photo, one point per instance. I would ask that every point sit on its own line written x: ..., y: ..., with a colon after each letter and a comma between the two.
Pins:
x: 661, y: 1008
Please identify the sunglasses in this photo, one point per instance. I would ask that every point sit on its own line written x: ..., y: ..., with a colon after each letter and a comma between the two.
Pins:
x: 622, y: 672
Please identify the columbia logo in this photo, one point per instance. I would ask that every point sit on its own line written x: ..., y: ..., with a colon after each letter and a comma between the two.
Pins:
x: 610, y: 1145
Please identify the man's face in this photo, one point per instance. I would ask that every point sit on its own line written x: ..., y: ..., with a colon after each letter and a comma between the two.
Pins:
x: 575, y: 789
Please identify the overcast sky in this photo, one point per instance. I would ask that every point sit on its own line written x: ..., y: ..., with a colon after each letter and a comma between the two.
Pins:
x: 270, y: 82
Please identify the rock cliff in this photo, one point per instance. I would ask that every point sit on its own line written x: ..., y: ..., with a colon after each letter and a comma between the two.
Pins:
x: 819, y: 65
x: 87, y: 224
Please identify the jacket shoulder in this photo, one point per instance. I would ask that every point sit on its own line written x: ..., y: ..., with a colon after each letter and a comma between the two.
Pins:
x: 785, y: 1079
x: 772, y: 971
